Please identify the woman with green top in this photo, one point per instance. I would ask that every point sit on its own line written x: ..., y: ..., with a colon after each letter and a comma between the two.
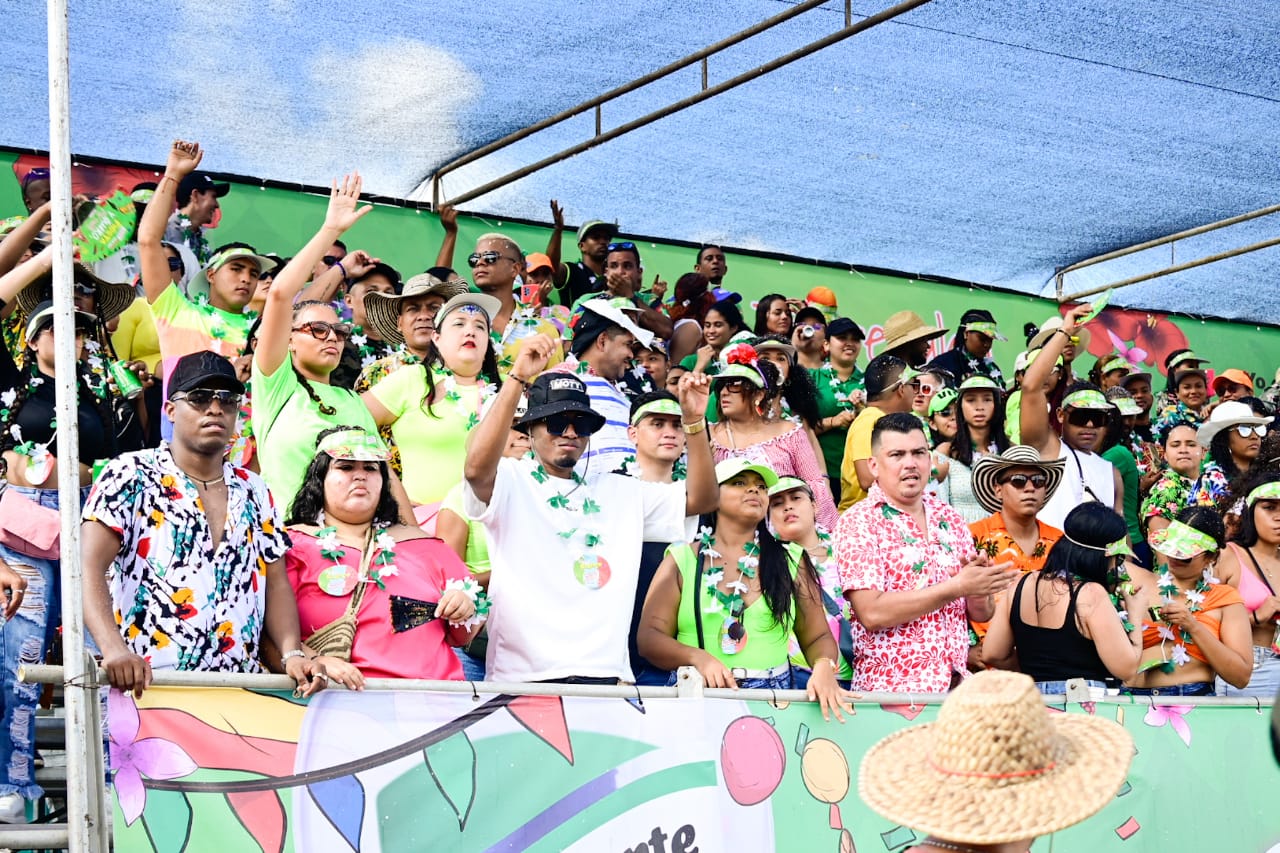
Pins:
x: 299, y: 345
x: 979, y: 431
x: 431, y: 408
x: 1115, y: 448
x: 730, y: 603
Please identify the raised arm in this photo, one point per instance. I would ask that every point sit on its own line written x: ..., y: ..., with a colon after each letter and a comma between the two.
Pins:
x: 702, y: 493
x: 560, y: 273
x: 16, y: 280
x: 184, y: 157
x: 324, y: 287
x: 20, y: 238
x: 449, y: 222
x: 277, y: 314
x: 1034, y: 418
x: 485, y: 446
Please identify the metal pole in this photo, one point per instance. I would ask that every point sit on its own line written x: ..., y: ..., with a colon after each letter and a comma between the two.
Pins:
x: 699, y: 97
x: 1181, y: 235
x: 86, y: 816
x: 639, y: 82
x: 1198, y: 262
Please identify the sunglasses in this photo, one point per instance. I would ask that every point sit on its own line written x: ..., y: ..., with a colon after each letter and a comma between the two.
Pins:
x: 736, y: 386
x: 582, y: 426
x: 1019, y: 481
x: 320, y: 330
x: 1087, y: 417
x: 175, y: 265
x: 475, y: 259
x: 1245, y: 430
x: 620, y: 247
x: 201, y: 398
x: 331, y: 260
x: 263, y: 276
x: 927, y: 388
x: 85, y: 289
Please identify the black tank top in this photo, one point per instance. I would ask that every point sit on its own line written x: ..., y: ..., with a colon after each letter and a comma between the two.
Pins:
x: 1054, y: 654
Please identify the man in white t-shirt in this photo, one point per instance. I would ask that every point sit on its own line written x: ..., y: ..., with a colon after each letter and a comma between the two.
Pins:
x: 565, y: 552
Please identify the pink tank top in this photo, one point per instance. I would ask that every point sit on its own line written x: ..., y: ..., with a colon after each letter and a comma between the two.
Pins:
x: 1253, y: 589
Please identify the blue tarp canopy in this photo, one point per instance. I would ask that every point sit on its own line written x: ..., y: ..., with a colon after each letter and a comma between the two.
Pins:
x: 993, y: 142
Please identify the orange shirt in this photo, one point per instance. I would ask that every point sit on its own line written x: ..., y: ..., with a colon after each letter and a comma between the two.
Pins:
x: 1219, y: 595
x: 992, y: 537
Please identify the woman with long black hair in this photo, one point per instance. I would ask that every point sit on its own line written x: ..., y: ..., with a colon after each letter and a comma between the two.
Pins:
x: 979, y: 431
x: 730, y: 603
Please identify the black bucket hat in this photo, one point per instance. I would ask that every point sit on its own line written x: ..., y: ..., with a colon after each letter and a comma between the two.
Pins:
x: 555, y: 393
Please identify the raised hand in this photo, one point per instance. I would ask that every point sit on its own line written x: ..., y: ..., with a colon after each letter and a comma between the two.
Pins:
x: 343, y: 213
x: 184, y: 157
x: 557, y: 214
x: 449, y: 219
x: 532, y: 358
x: 358, y: 262
x: 659, y: 288
x: 694, y: 391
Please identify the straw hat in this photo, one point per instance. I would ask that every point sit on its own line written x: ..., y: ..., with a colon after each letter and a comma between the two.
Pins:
x: 987, y: 471
x: 906, y: 327
x: 383, y: 309
x: 996, y: 766
x: 112, y: 298
x: 1052, y: 325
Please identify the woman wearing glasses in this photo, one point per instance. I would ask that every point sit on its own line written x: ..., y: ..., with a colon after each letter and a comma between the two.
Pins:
x: 1083, y: 415
x: 1233, y: 436
x: 730, y: 603
x: 299, y: 345
x: 745, y: 388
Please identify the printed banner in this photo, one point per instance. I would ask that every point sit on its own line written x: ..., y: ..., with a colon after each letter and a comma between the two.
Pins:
x: 225, y: 769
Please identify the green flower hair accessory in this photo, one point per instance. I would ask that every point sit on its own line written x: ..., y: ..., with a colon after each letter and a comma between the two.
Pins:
x: 1182, y: 541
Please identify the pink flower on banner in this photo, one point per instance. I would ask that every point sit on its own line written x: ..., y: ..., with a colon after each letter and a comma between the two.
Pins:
x: 131, y: 759
x: 1132, y: 354
x: 1158, y: 715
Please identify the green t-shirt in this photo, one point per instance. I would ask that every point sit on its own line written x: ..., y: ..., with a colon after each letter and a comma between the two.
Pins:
x: 433, y: 447
x: 768, y: 643
x: 834, y: 398
x: 1121, y: 457
x: 286, y: 422
x: 477, y: 558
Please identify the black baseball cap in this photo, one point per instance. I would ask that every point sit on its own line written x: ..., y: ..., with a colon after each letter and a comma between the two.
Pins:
x: 203, y: 369
x: 811, y: 315
x: 555, y: 393
x: 200, y: 181
x: 845, y: 326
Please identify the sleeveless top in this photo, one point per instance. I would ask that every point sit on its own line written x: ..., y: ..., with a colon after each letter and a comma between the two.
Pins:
x: 1253, y: 589
x: 1086, y: 477
x: 767, y: 641
x: 1054, y: 654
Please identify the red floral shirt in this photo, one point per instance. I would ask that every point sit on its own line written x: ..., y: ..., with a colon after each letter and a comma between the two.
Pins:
x: 881, y: 547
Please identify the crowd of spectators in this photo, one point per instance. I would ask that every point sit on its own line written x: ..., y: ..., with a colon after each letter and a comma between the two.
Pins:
x: 561, y: 470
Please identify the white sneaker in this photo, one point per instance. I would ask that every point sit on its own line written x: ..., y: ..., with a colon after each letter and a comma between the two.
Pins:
x: 13, y: 808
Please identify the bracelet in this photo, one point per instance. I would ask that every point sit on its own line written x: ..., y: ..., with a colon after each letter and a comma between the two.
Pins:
x: 834, y: 668
x: 695, y: 428
x: 168, y: 178
x: 1062, y: 331
x: 292, y: 653
x: 472, y: 590
x: 525, y: 383
x: 346, y: 279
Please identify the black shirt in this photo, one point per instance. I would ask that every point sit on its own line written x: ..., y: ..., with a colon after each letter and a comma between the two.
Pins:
x: 35, y: 418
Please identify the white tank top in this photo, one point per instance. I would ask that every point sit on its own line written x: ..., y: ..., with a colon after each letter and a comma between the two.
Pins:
x: 1082, y: 470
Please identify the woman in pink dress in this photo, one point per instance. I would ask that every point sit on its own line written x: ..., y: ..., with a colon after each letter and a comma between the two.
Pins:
x: 376, y: 598
x: 744, y: 391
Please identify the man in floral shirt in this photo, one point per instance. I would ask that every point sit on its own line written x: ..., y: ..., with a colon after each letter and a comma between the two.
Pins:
x: 910, y: 571
x: 184, y: 553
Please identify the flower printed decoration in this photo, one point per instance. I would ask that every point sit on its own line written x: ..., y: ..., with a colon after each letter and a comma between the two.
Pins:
x: 131, y: 759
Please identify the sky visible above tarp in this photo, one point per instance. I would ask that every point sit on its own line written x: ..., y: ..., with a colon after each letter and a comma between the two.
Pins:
x: 993, y: 142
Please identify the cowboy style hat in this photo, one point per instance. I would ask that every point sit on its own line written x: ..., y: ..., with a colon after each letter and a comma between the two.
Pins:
x: 996, y: 766
x: 383, y: 309
x: 112, y: 298
x: 1053, y: 324
x: 906, y: 327
x: 987, y: 471
x: 1229, y: 414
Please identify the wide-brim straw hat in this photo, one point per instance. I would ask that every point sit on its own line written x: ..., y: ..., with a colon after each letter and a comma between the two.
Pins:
x: 383, y: 309
x: 987, y: 471
x: 907, y: 327
x: 997, y: 766
x: 1052, y: 325
x: 112, y: 298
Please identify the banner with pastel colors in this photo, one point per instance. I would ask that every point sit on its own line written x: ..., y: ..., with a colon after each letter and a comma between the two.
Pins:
x: 234, y: 770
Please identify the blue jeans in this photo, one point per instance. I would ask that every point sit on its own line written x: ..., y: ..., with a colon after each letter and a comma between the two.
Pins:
x: 25, y: 639
x: 472, y: 667
x: 1265, y: 681
x: 1195, y: 688
x: 785, y: 681
x: 1059, y: 688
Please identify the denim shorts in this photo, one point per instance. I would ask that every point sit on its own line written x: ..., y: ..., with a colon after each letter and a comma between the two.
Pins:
x: 1264, y: 683
x: 1195, y: 688
x: 1059, y: 688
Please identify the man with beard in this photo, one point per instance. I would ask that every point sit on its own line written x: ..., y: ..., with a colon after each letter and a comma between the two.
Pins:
x: 495, y: 265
